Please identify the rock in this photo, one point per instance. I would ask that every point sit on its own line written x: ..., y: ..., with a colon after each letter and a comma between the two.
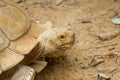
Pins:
x: 116, y: 20
x: 106, y: 69
x: 101, y: 76
x: 58, y: 2
x: 86, y: 20
x: 108, y: 35
x: 95, y: 62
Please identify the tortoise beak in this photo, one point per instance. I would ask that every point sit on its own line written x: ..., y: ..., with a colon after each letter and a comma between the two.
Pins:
x: 68, y: 44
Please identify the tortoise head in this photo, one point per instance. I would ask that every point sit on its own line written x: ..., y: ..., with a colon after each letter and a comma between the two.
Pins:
x: 57, y: 39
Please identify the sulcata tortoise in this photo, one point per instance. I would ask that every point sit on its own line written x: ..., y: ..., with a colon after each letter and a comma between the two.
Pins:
x: 23, y: 42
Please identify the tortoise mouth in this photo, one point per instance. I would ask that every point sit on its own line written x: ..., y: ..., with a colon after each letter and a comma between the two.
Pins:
x: 65, y: 46
x: 60, y: 48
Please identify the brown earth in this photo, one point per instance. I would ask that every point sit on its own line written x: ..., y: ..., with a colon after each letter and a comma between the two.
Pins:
x: 88, y: 18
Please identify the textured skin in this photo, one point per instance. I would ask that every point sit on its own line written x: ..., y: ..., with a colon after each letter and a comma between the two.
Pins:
x: 24, y: 73
x: 22, y: 42
x: 13, y: 24
x: 13, y: 21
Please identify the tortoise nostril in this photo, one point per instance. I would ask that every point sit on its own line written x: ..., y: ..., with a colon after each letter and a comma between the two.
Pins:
x: 62, y: 36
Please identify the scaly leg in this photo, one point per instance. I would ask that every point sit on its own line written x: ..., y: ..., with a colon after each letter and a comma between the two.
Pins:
x: 24, y: 73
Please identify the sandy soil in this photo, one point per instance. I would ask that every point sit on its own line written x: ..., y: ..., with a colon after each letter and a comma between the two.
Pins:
x: 91, y: 20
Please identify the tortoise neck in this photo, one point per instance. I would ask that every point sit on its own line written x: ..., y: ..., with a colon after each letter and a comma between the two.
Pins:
x: 42, y: 46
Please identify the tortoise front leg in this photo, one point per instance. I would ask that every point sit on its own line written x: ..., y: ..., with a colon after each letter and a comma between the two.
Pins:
x: 38, y: 66
x: 24, y: 73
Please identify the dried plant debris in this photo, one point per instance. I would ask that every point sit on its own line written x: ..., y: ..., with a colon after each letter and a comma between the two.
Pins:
x: 106, y: 69
x: 38, y: 2
x: 111, y: 55
x: 108, y: 35
x: 97, y: 55
x: 95, y: 62
x: 101, y: 76
x: 117, y: 57
x: 19, y: 1
x: 116, y: 20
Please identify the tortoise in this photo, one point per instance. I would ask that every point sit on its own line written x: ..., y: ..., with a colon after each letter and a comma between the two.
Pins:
x: 23, y: 42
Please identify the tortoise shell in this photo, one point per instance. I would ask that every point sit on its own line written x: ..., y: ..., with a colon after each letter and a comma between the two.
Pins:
x: 17, y: 36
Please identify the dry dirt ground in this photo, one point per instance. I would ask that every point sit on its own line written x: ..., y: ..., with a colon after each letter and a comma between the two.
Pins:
x: 91, y: 21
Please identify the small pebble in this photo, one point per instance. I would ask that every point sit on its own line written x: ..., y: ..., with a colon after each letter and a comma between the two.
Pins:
x: 116, y: 20
x: 86, y: 20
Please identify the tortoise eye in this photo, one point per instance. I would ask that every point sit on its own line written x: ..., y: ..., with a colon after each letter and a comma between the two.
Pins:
x: 62, y: 36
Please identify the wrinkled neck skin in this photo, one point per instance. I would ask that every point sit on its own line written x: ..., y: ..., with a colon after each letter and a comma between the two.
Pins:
x: 44, y: 45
